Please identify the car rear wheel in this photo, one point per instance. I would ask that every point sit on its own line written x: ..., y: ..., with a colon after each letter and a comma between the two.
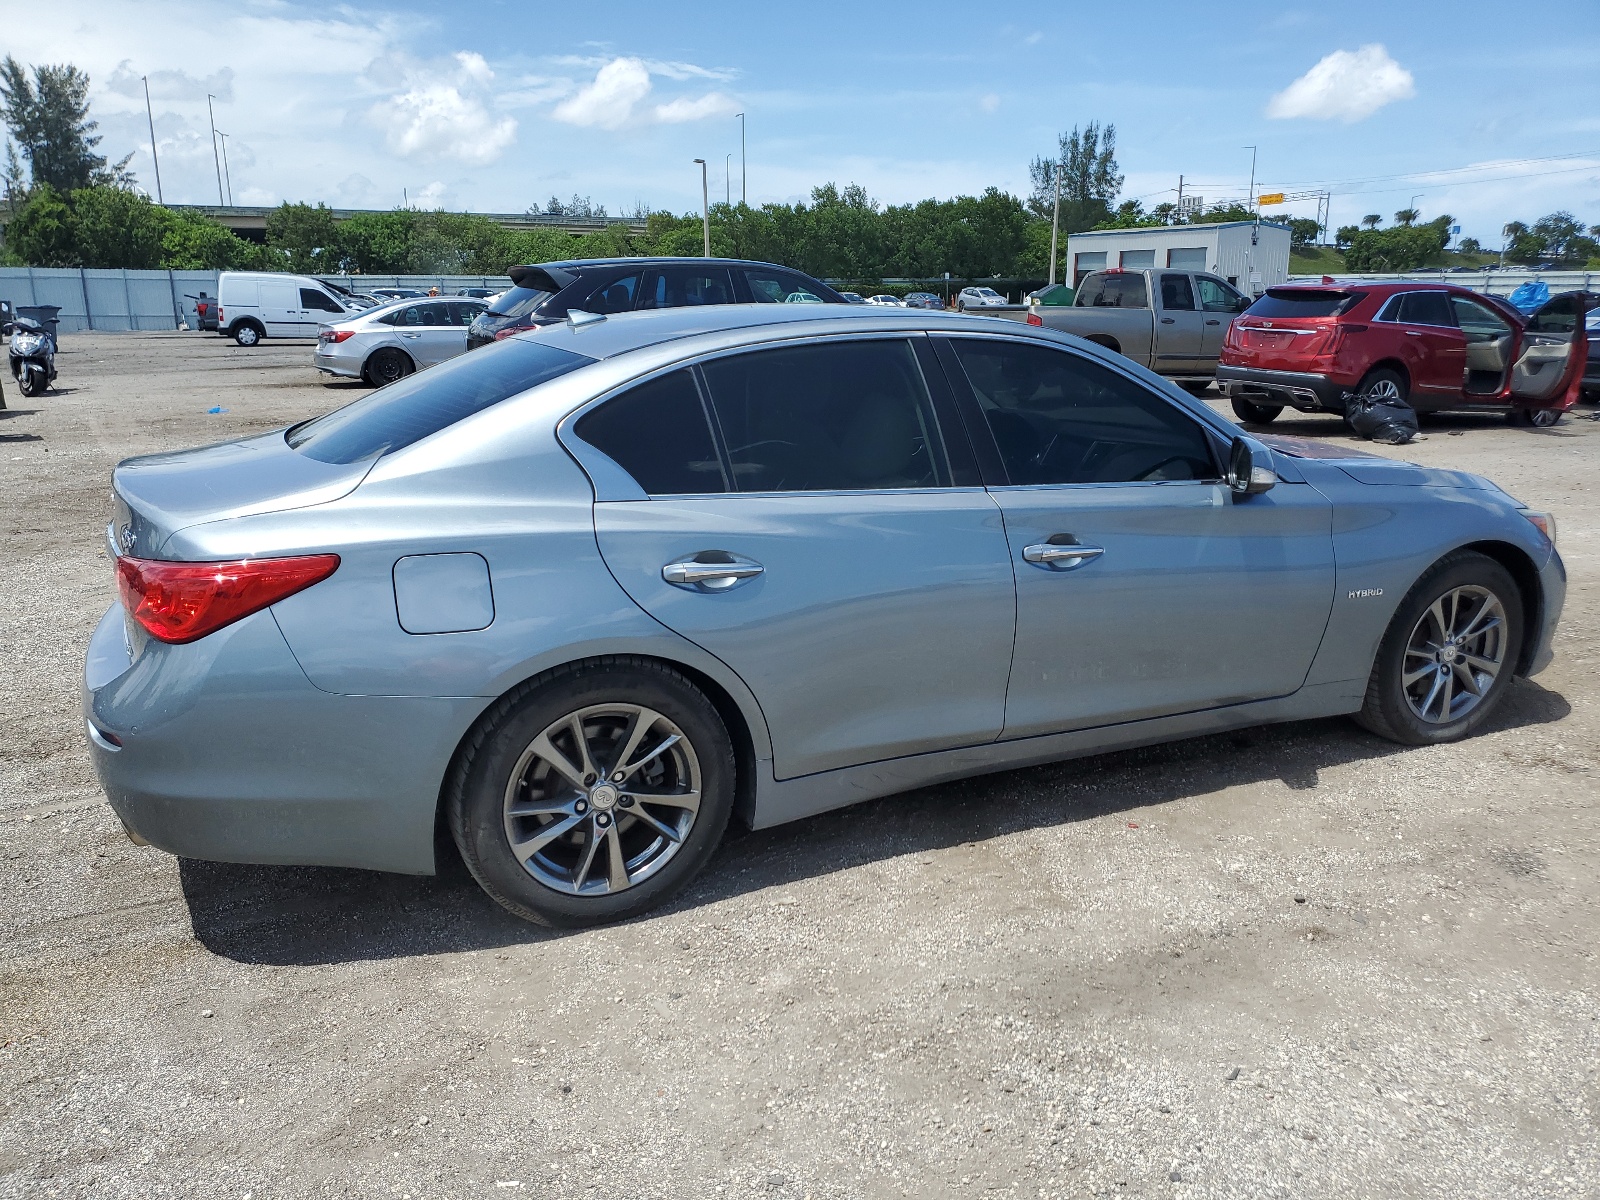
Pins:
x: 593, y: 792
x: 1449, y: 653
x: 1384, y: 386
x: 246, y: 333
x: 1256, y: 414
x: 388, y: 365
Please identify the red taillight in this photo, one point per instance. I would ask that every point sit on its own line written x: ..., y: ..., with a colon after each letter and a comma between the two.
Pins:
x: 501, y: 334
x: 220, y: 317
x: 183, y: 601
x: 1035, y: 319
x: 335, y: 335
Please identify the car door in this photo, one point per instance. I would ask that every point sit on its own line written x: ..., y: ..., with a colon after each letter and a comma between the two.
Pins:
x: 1553, y: 351
x: 1145, y: 587
x: 1178, y: 326
x: 1435, y: 348
x: 316, y: 308
x: 280, y: 309
x: 1219, y: 304
x: 811, y: 524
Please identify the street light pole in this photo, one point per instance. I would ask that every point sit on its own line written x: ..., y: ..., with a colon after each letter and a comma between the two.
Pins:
x: 705, y: 205
x: 150, y: 114
x: 226, y: 174
x: 1252, y: 150
x: 727, y: 182
x: 215, y: 157
x: 1055, y: 225
x: 744, y: 195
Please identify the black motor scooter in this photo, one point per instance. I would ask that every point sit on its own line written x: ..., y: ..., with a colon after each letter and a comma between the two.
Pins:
x: 33, y: 355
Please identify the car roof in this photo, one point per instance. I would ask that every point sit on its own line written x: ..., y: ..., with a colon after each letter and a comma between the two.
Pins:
x: 657, y: 260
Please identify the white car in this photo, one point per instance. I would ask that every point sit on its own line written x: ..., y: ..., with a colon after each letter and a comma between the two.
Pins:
x: 887, y: 301
x: 979, y: 297
x: 389, y: 342
x: 252, y: 305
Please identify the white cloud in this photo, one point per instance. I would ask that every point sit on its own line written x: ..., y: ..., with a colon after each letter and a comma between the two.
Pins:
x: 440, y: 116
x: 608, y: 102
x: 1347, y: 85
x: 616, y: 97
x: 989, y: 103
x: 170, y: 85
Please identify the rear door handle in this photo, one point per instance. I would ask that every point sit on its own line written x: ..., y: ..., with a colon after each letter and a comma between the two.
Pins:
x: 1169, y: 320
x: 711, y: 571
x: 1413, y: 333
x: 1048, y: 554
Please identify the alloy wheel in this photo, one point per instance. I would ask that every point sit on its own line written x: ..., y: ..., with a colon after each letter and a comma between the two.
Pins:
x: 602, y: 799
x: 1385, y: 391
x: 1454, y: 654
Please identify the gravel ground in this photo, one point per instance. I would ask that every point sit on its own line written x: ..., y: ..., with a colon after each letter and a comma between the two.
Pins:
x: 1290, y: 962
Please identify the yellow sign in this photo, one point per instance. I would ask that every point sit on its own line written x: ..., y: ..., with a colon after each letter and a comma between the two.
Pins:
x: 1267, y: 198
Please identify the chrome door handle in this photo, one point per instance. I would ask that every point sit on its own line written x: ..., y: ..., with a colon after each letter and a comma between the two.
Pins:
x: 1048, y: 554
x: 711, y: 571
x: 410, y: 335
x: 1413, y: 333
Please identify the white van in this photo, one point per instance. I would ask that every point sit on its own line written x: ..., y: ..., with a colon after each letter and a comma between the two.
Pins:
x: 252, y: 305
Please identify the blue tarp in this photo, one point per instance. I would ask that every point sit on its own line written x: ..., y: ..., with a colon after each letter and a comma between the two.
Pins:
x: 1530, y: 296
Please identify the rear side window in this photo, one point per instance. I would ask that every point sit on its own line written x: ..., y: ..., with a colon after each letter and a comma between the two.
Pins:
x: 1426, y: 308
x: 685, y: 287
x: 1059, y: 418
x: 1304, y: 302
x: 658, y: 433
x: 842, y: 416
x: 1177, y: 294
x: 1113, y: 291
x: 422, y: 404
x: 614, y: 297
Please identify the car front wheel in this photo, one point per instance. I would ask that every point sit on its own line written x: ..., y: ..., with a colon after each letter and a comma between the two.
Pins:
x: 1446, y: 661
x: 593, y: 792
x: 1256, y: 414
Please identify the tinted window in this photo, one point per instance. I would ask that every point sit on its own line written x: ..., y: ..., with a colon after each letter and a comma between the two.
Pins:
x: 1304, y: 302
x: 1426, y: 308
x: 682, y: 287
x: 424, y: 403
x: 840, y: 416
x: 464, y: 313
x: 313, y: 299
x: 1176, y: 293
x: 1113, y: 291
x: 520, y: 302
x: 614, y: 297
x: 1477, y: 321
x: 1059, y: 418
x: 769, y: 285
x: 1216, y: 296
x: 1561, y: 315
x: 658, y: 433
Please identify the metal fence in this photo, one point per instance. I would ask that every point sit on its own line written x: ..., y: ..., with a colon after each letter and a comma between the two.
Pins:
x: 1491, y: 283
x: 151, y: 300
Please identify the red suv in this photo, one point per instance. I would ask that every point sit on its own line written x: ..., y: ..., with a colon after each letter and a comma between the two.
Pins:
x: 1432, y: 345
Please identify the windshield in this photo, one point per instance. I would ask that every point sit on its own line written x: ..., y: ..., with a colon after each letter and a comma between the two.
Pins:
x: 422, y: 404
x: 518, y: 302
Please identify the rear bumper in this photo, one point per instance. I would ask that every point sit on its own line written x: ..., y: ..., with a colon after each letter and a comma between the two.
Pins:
x: 337, y: 364
x: 1304, y: 390
x: 223, y: 750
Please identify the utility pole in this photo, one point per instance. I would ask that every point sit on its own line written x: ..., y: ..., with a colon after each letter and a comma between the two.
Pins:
x: 226, y: 174
x: 150, y: 114
x: 1055, y: 226
x: 705, y: 206
x: 215, y: 157
x: 1252, y: 150
x: 1180, y: 197
x: 744, y: 195
x: 727, y: 183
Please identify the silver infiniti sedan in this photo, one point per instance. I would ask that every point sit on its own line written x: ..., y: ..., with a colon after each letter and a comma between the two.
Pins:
x: 583, y: 597
x: 394, y: 339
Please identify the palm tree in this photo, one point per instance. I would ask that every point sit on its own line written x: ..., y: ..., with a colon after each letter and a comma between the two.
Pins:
x: 1406, y: 217
x: 1371, y: 220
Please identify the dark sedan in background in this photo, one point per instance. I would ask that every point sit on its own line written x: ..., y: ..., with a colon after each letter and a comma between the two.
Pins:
x: 544, y: 294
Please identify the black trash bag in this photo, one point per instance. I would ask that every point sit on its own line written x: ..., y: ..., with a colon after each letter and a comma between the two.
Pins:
x: 1391, y: 422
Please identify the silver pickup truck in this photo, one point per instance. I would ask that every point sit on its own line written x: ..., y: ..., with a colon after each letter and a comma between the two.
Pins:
x: 1170, y: 321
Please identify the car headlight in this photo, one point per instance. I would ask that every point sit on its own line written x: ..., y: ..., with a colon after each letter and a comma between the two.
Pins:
x: 1544, y: 522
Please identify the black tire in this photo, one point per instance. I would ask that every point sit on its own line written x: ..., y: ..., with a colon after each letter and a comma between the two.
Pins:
x: 1256, y: 414
x: 25, y: 383
x: 386, y: 366
x: 1199, y: 387
x: 247, y: 333
x: 1534, y: 418
x: 1375, y: 381
x: 1386, y: 711
x: 493, y: 759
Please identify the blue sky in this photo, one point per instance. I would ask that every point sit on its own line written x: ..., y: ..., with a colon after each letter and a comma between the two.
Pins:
x: 495, y: 106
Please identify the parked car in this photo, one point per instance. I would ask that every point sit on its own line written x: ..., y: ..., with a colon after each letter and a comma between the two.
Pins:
x: 582, y: 596
x: 397, y: 293
x: 978, y: 297
x: 1170, y: 321
x: 923, y: 300
x: 853, y: 297
x: 384, y: 344
x: 253, y: 305
x: 885, y: 300
x: 478, y: 293
x: 1591, y: 372
x: 545, y: 293
x: 1434, y: 346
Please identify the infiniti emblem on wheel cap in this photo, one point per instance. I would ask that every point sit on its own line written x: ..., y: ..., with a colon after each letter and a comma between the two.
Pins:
x: 603, y: 797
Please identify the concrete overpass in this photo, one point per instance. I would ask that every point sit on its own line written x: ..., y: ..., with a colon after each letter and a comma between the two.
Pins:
x: 250, y: 222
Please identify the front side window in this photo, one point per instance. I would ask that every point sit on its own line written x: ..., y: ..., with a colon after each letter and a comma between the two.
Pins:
x: 1477, y: 321
x: 322, y: 302
x: 841, y: 416
x: 1059, y: 418
x: 1216, y: 296
x: 422, y: 404
x: 658, y: 433
x: 1176, y: 293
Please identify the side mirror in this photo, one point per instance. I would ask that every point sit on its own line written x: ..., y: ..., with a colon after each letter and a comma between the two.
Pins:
x: 7, y: 328
x: 1250, y: 468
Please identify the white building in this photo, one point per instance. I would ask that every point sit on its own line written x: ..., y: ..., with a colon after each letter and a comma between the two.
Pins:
x: 1252, y: 257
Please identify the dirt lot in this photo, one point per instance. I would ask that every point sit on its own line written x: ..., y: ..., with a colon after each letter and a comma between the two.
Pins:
x: 1293, y: 962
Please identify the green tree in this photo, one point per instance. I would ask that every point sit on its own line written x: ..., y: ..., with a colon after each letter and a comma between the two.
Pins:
x: 48, y: 115
x: 1302, y: 230
x: 1470, y: 245
x: 1345, y: 235
x: 1087, y: 163
x: 44, y: 233
x: 194, y: 243
x: 1219, y: 213
x: 1401, y: 248
x: 1563, y: 238
x: 1406, y: 217
x: 304, y: 237
x: 1372, y: 220
x: 117, y: 228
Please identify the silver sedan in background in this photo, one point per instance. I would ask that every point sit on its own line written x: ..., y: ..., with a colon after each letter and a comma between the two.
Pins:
x: 391, y: 341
